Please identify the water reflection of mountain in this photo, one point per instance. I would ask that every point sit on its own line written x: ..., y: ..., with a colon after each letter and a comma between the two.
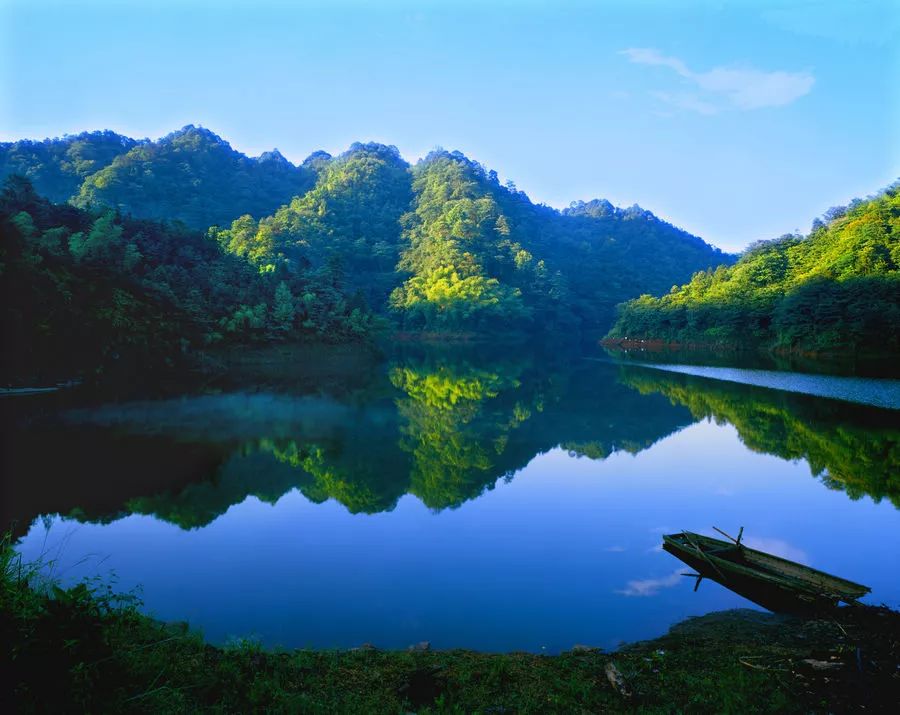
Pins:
x: 850, y: 447
x: 451, y: 431
x: 438, y: 425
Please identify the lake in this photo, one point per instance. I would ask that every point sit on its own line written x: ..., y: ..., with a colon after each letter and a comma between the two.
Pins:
x: 493, y: 500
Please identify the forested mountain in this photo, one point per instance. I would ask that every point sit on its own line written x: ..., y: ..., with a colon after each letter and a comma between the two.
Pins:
x: 347, y: 225
x: 58, y: 167
x: 85, y: 291
x: 836, y: 289
x: 481, y: 254
x: 194, y: 176
x: 329, y: 249
x: 191, y: 175
x: 457, y: 251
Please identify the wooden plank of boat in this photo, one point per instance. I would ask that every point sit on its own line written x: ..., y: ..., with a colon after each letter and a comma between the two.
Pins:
x: 775, y: 583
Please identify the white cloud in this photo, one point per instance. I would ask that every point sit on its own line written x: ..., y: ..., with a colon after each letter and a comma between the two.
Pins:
x: 753, y: 89
x: 651, y: 586
x: 685, y: 100
x: 649, y: 56
x: 725, y: 87
x: 777, y: 547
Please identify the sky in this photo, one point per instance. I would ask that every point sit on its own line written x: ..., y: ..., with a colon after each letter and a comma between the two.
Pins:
x: 737, y: 121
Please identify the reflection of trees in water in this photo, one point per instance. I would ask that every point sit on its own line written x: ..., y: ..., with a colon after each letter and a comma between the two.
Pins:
x: 850, y: 447
x: 444, y: 428
x: 362, y: 469
x: 455, y: 421
x: 245, y: 473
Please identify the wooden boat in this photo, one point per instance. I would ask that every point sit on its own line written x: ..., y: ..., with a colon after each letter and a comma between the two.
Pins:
x: 770, y: 581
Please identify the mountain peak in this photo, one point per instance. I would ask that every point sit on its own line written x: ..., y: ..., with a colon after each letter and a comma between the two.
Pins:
x: 194, y: 132
x: 317, y: 158
x: 274, y: 156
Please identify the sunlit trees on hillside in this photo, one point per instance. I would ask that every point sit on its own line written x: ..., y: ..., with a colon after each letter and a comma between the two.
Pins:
x: 836, y: 289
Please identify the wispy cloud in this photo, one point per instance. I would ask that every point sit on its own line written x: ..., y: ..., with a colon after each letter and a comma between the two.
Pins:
x: 651, y: 586
x: 724, y: 87
x: 650, y: 56
x: 685, y: 100
x: 778, y: 547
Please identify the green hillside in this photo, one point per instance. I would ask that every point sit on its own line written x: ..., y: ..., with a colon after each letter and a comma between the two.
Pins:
x: 443, y: 246
x: 171, y: 245
x: 347, y: 225
x: 194, y: 176
x: 439, y: 246
x: 479, y: 253
x: 58, y: 167
x: 837, y: 289
x: 85, y: 292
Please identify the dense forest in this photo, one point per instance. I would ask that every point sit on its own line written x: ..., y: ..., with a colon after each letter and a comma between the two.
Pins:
x: 116, y: 248
x: 478, y: 253
x: 836, y: 289
x: 58, y: 167
x: 194, y: 176
x: 90, y: 291
x: 191, y: 175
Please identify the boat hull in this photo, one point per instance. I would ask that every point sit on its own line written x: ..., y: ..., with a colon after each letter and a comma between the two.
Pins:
x: 769, y: 596
x: 772, y: 582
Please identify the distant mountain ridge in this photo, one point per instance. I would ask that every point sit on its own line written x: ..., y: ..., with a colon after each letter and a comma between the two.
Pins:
x: 79, y: 168
x: 58, y: 167
x: 195, y: 176
x: 440, y: 246
x: 190, y: 175
x: 445, y: 246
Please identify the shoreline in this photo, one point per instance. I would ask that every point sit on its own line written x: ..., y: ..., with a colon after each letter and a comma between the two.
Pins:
x: 94, y: 650
x: 882, y: 364
x: 663, y: 346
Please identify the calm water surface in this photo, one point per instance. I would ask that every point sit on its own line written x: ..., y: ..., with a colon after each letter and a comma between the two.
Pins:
x: 494, y: 503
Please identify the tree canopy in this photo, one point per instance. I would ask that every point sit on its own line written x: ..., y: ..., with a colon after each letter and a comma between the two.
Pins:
x: 84, y: 291
x: 438, y: 246
x: 58, y: 167
x: 193, y: 175
x: 480, y: 254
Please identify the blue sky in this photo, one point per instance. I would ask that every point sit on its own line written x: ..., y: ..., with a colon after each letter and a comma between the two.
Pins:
x: 735, y: 120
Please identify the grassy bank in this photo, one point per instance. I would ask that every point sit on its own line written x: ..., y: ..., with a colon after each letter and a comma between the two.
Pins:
x: 85, y: 650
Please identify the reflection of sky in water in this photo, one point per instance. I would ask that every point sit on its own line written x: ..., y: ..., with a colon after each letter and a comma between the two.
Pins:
x: 565, y: 553
x: 879, y: 392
